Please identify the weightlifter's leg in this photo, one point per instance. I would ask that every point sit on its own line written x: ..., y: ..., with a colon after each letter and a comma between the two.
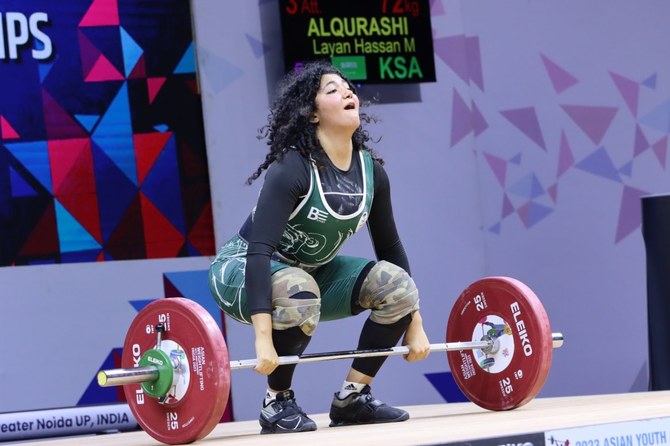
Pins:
x: 389, y: 292
x: 295, y: 315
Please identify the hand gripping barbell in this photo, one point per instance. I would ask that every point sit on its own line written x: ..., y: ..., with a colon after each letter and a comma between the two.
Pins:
x: 176, y: 370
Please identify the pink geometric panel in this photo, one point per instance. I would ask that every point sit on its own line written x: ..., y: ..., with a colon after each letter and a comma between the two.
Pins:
x: 436, y: 8
x: 560, y: 78
x: 88, y: 53
x: 498, y: 167
x: 479, y: 124
x: 103, y: 71
x: 154, y: 85
x: 461, y: 121
x: 452, y: 52
x: 462, y: 55
x: 148, y: 146
x: 101, y: 13
x: 641, y: 143
x: 629, y: 89
x: 139, y: 71
x: 6, y: 130
x: 629, y: 213
x: 660, y: 149
x: 592, y: 120
x: 553, y: 192
x: 508, y: 207
x: 59, y: 123
x: 525, y: 119
x: 474, y: 61
x: 565, y: 158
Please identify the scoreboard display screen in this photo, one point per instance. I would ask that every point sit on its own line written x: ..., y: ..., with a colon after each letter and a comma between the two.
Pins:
x: 370, y: 41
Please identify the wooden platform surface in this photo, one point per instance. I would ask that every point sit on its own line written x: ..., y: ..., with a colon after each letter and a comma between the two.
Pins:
x: 429, y: 424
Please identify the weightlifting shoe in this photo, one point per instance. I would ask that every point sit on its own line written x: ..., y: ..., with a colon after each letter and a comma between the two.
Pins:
x: 363, y: 408
x: 283, y: 415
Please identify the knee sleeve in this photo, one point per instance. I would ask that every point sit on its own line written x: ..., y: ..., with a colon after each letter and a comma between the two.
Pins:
x: 389, y: 292
x: 296, y: 300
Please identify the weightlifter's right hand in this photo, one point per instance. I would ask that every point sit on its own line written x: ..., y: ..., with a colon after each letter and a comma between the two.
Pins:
x: 266, y: 355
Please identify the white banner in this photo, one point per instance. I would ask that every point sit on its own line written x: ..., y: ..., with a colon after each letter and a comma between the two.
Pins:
x: 653, y: 432
x: 67, y: 421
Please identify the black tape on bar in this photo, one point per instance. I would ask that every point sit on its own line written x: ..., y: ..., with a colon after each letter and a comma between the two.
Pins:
x: 656, y: 234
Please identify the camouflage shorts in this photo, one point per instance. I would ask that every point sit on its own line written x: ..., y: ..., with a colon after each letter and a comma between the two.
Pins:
x: 334, y: 281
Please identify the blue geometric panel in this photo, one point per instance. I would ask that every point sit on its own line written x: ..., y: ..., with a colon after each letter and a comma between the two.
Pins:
x: 528, y: 187
x: 20, y: 187
x: 140, y: 304
x: 131, y: 51
x: 445, y: 384
x: 114, y: 134
x: 531, y: 213
x: 71, y: 234
x: 163, y: 188
x: 627, y: 169
x: 94, y: 393
x: 115, y: 191
x: 194, y: 285
x: 650, y: 81
x: 87, y: 121
x: 226, y: 72
x: 35, y: 158
x: 187, y: 63
x: 495, y: 229
x: 258, y: 47
x: 599, y: 163
x: 658, y: 118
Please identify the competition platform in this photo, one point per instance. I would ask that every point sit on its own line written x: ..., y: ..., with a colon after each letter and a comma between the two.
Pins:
x: 632, y: 419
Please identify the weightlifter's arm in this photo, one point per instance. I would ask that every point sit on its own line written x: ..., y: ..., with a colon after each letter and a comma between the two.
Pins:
x: 285, y: 181
x: 388, y: 246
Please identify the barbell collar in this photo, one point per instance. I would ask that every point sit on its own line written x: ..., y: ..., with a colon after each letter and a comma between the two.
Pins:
x: 120, y: 377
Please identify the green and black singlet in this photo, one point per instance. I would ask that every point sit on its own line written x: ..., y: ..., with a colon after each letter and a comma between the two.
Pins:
x: 304, y: 214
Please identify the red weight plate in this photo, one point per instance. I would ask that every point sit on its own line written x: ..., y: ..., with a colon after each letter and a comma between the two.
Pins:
x: 198, y: 398
x: 504, y: 309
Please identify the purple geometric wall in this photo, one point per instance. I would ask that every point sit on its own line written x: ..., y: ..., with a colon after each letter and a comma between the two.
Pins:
x: 530, y: 196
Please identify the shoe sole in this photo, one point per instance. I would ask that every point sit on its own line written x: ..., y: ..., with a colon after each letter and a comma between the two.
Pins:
x: 357, y: 423
x: 277, y: 430
x: 283, y: 431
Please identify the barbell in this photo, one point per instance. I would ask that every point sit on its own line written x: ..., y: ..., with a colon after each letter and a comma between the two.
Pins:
x: 176, y: 370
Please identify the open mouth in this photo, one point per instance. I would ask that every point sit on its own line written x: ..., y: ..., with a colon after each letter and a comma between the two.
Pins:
x: 350, y: 106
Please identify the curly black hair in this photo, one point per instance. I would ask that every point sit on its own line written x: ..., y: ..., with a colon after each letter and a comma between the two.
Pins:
x: 289, y: 125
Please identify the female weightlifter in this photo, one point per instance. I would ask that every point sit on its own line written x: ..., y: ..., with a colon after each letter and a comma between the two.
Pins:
x: 282, y: 273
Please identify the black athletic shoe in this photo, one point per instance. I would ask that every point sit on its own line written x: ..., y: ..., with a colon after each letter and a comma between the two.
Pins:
x: 363, y: 408
x: 283, y: 415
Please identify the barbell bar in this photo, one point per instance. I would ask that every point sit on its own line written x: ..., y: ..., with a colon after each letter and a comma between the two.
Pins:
x: 124, y: 376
